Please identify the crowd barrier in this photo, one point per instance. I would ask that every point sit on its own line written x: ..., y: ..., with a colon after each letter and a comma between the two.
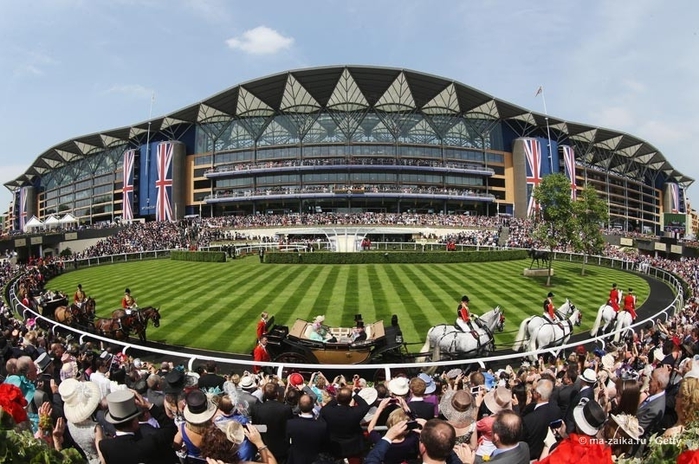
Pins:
x: 245, y: 364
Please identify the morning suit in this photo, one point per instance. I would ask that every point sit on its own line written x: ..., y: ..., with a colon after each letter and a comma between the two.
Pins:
x: 566, y: 394
x: 151, y: 448
x: 345, y: 435
x: 378, y: 452
x: 588, y: 393
x: 211, y: 381
x: 274, y: 415
x: 518, y: 455
x: 422, y: 409
x: 536, y: 426
x: 649, y: 415
x: 307, y: 437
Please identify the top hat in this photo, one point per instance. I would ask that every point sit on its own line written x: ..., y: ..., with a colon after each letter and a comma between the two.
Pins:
x: 42, y: 362
x: 126, y: 290
x: 174, y: 382
x: 122, y: 407
x: 589, y: 416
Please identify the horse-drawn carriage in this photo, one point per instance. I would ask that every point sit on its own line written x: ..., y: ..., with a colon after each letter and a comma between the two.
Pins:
x: 294, y: 344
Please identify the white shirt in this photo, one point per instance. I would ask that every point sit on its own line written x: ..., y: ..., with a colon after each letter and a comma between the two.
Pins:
x: 102, y: 382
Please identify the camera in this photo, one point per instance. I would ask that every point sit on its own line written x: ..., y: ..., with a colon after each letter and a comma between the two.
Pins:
x: 475, y: 390
x: 412, y: 425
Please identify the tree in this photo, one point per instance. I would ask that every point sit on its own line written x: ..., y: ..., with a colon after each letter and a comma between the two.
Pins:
x: 590, y: 213
x: 555, y: 224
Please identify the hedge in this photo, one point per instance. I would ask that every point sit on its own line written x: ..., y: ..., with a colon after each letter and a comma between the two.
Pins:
x: 200, y: 256
x: 402, y: 257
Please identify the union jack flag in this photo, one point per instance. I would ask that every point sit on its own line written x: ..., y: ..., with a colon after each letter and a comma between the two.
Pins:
x: 569, y: 161
x: 129, y: 158
x: 22, y: 208
x: 532, y: 152
x: 674, y: 197
x: 163, y: 185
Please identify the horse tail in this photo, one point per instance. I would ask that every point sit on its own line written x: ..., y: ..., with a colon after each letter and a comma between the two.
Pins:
x: 521, y: 337
x: 598, y: 321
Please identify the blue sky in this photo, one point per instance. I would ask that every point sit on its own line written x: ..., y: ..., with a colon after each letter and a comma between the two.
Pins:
x: 74, y: 67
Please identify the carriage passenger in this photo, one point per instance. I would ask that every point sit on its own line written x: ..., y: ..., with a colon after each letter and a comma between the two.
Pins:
x: 463, y: 316
x: 128, y: 303
x: 549, y: 308
x: 79, y: 297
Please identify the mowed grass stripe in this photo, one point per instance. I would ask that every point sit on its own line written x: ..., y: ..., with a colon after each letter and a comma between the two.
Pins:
x: 216, y: 306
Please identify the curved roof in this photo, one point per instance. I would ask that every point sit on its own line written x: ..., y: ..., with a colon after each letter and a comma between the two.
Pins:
x: 359, y: 88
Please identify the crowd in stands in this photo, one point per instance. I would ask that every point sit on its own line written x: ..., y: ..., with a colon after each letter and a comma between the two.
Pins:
x: 353, y: 189
x: 94, y: 404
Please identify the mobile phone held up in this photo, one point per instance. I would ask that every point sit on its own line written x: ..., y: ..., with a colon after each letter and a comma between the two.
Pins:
x: 554, y: 425
x: 262, y: 428
x: 412, y: 425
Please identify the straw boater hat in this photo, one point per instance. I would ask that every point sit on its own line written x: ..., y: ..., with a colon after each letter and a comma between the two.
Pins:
x: 199, y: 409
x: 589, y: 376
x: 498, y: 399
x: 458, y: 407
x: 369, y: 394
x: 122, y: 407
x: 80, y: 399
x: 247, y: 382
x: 589, y: 416
x: 629, y: 424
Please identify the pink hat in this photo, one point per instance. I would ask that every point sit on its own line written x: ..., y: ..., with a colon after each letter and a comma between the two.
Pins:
x: 296, y: 379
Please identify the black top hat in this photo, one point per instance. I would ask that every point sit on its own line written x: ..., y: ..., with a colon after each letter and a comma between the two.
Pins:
x: 80, y: 286
x: 465, y: 298
x: 614, y: 285
x: 360, y: 324
x: 550, y: 295
x: 174, y: 382
x: 631, y: 290
x: 589, y: 417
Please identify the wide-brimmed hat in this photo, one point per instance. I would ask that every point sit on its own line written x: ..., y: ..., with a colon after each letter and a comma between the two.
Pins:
x: 369, y: 394
x: 629, y: 424
x: 454, y: 373
x: 174, y: 382
x: 295, y: 379
x: 399, y: 386
x: 198, y: 409
x: 589, y: 376
x: 69, y: 370
x: 498, y: 399
x: 458, y: 407
x: 42, y: 362
x: 122, y: 407
x: 430, y: 386
x: 80, y: 399
x: 589, y: 416
x: 247, y: 382
x: 319, y: 319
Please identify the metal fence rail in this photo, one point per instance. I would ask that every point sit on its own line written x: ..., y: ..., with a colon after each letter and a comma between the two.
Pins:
x: 656, y: 273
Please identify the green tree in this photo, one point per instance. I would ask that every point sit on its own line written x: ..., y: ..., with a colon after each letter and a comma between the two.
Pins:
x: 590, y: 213
x: 554, y: 219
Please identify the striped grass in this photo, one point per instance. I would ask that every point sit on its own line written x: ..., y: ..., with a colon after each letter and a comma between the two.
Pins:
x: 216, y: 306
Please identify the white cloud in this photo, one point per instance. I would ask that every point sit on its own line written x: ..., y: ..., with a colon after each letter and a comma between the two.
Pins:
x: 260, y: 41
x: 25, y: 70
x: 131, y: 90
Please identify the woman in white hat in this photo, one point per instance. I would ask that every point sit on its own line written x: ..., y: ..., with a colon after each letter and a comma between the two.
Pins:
x: 198, y: 413
x: 80, y: 402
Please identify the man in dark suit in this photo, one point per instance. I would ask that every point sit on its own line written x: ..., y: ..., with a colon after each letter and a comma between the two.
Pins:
x: 274, y: 414
x: 307, y: 435
x: 437, y: 440
x: 507, y: 428
x: 567, y: 392
x: 130, y: 446
x: 536, y: 423
x: 345, y: 434
x: 587, y: 380
x: 651, y: 410
x: 209, y: 380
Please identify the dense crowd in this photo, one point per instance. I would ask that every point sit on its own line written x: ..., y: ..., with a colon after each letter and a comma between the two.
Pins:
x: 638, y: 399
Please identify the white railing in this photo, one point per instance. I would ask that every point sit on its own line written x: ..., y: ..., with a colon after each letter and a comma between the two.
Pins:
x: 660, y: 274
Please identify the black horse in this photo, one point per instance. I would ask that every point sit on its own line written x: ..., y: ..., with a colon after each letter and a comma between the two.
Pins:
x: 540, y: 256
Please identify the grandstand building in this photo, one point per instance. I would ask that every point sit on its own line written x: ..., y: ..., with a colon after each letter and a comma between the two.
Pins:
x: 345, y: 139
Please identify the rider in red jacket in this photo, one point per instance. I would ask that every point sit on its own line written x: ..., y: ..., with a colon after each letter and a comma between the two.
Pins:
x: 614, y: 298
x: 630, y: 303
x: 549, y: 308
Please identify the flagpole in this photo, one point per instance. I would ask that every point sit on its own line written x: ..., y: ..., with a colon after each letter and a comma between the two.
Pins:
x: 548, y: 129
x: 150, y: 116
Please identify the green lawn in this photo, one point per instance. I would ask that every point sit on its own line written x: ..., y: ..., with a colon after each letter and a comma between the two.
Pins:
x: 216, y: 306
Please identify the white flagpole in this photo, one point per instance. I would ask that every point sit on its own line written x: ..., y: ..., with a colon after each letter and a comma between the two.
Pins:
x: 548, y: 129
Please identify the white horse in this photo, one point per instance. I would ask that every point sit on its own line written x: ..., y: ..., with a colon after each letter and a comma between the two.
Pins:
x: 554, y: 334
x: 605, y: 313
x: 623, y: 322
x: 531, y: 324
x: 450, y: 339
